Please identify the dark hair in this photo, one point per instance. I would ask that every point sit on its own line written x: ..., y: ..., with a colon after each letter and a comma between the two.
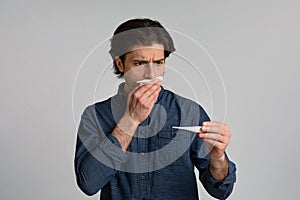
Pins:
x: 138, y: 32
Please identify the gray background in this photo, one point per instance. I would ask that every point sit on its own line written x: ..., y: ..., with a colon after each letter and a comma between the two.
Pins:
x: 43, y: 43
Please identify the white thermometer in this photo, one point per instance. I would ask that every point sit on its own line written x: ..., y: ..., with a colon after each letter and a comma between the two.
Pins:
x: 195, y: 129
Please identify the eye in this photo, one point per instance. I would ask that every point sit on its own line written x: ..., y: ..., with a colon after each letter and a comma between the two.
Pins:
x: 140, y: 63
x: 160, y: 62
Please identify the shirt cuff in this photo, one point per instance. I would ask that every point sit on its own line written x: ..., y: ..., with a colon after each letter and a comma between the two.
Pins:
x: 229, y: 179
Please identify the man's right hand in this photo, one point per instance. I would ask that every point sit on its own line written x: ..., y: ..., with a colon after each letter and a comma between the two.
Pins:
x: 141, y: 101
x: 139, y: 105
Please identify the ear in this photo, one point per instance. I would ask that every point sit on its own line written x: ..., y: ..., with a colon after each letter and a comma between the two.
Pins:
x: 119, y: 64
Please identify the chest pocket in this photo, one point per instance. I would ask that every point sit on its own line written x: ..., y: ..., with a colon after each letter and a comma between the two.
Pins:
x: 170, y: 153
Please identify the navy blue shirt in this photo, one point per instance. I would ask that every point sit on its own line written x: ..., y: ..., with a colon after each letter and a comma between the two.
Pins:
x: 159, y: 162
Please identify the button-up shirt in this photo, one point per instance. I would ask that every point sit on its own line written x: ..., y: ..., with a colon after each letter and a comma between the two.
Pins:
x: 159, y: 162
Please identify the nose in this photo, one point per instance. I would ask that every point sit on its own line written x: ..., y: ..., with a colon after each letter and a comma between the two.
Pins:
x: 149, y: 73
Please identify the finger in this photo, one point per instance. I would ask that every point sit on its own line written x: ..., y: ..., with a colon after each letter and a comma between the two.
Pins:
x: 151, y: 89
x: 132, y: 100
x: 154, y: 92
x: 148, y: 94
x: 148, y: 98
x: 152, y: 99
x: 137, y: 93
x: 215, y: 124
x: 217, y: 130
x: 215, y: 137
x: 216, y: 144
x: 212, y: 136
x: 214, y: 129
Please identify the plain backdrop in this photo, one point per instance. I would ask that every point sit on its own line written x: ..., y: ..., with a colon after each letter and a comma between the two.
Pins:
x: 45, y: 83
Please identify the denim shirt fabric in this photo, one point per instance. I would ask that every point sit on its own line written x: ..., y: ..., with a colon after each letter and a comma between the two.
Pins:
x: 100, y: 163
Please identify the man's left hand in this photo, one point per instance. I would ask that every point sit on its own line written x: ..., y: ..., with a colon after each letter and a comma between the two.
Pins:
x: 216, y: 136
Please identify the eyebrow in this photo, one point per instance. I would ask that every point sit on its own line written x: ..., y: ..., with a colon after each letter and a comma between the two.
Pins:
x: 144, y: 60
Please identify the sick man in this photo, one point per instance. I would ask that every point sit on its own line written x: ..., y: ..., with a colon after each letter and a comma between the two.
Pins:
x: 127, y: 146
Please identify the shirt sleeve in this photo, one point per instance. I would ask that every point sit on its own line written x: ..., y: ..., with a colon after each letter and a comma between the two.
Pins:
x: 97, y: 156
x: 218, y: 189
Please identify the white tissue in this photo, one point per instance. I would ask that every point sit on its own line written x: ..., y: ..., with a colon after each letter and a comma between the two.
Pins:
x: 150, y: 80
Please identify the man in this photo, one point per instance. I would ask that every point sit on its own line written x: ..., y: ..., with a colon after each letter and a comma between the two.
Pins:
x: 126, y: 146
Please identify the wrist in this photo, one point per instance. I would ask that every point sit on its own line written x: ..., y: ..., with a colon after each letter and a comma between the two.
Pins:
x: 218, y: 162
x: 221, y: 157
x: 124, y: 131
x: 127, y: 125
x: 122, y: 138
x: 219, y: 167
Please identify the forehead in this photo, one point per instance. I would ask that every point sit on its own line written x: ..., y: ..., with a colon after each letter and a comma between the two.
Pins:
x: 147, y: 52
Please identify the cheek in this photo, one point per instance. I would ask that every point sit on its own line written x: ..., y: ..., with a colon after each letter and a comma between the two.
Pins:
x: 133, y: 75
x: 160, y: 70
x: 136, y: 72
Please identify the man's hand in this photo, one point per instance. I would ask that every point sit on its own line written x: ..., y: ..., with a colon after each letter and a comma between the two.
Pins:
x: 216, y: 136
x: 139, y: 105
x: 141, y: 101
